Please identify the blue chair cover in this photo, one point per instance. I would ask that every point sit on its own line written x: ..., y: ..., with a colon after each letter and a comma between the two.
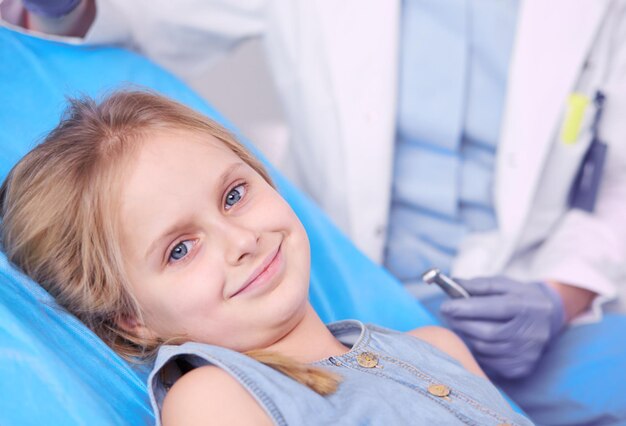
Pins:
x: 55, y: 371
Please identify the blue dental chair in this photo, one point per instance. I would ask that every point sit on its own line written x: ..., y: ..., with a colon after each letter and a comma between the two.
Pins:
x: 56, y: 372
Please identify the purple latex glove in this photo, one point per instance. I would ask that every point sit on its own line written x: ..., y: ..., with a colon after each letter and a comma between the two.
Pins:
x: 50, y: 8
x: 507, y: 324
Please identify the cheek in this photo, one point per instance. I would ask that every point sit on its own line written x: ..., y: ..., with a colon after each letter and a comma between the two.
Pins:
x: 198, y: 285
x: 299, y: 234
x: 284, y: 216
x: 184, y: 297
x: 299, y: 247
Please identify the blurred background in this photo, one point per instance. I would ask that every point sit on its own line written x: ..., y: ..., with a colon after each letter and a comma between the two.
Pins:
x: 241, y: 88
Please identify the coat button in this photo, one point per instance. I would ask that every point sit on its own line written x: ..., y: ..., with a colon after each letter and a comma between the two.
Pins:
x: 439, y: 390
x: 367, y: 359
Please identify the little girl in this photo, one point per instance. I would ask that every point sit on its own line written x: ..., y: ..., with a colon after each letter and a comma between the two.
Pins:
x: 164, y: 235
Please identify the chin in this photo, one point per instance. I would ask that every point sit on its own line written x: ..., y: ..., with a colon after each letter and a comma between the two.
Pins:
x: 292, y: 305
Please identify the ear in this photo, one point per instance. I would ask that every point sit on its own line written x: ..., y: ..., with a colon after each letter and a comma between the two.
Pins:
x: 131, y: 325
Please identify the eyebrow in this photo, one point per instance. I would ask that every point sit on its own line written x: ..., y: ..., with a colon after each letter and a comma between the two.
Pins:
x: 225, y: 177
x: 179, y: 226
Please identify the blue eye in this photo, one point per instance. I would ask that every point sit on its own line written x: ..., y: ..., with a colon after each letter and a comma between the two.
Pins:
x: 234, y: 195
x: 180, y: 250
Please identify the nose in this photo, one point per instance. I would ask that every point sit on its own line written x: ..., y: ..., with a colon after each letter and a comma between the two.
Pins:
x: 241, y: 242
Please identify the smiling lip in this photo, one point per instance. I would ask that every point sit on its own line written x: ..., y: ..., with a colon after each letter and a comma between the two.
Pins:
x: 264, y: 273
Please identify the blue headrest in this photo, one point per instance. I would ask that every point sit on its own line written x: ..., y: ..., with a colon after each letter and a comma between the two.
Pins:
x: 53, y: 369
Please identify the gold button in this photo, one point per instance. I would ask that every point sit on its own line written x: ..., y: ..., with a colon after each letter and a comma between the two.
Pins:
x: 367, y: 359
x: 439, y: 390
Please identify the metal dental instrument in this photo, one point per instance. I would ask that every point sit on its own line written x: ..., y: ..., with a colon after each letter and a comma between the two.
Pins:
x: 447, y: 284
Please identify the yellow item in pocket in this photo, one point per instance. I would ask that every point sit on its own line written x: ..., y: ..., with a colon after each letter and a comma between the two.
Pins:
x: 576, y: 107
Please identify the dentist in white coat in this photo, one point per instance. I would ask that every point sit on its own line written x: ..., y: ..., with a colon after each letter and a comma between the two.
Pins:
x: 558, y: 252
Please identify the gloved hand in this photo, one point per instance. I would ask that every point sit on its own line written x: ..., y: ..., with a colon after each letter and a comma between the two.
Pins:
x: 506, y: 323
x: 50, y: 8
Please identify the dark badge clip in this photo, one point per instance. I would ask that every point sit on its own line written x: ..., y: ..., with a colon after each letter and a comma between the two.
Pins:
x: 584, y: 191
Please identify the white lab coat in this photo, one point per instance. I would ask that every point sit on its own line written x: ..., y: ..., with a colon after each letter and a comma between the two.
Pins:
x: 335, y: 66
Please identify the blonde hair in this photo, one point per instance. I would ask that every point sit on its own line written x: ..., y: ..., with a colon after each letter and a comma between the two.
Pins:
x: 58, y: 207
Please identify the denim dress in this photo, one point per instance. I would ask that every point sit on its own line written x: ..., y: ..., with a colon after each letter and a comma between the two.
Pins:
x: 388, y: 378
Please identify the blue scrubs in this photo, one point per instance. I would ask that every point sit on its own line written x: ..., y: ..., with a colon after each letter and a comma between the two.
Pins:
x: 454, y: 62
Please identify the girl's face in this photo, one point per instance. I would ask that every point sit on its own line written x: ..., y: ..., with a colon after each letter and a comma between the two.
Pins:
x: 213, y: 253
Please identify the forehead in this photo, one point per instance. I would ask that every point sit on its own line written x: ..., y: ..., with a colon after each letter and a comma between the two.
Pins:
x: 169, y: 166
x: 173, y: 147
x: 175, y: 160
